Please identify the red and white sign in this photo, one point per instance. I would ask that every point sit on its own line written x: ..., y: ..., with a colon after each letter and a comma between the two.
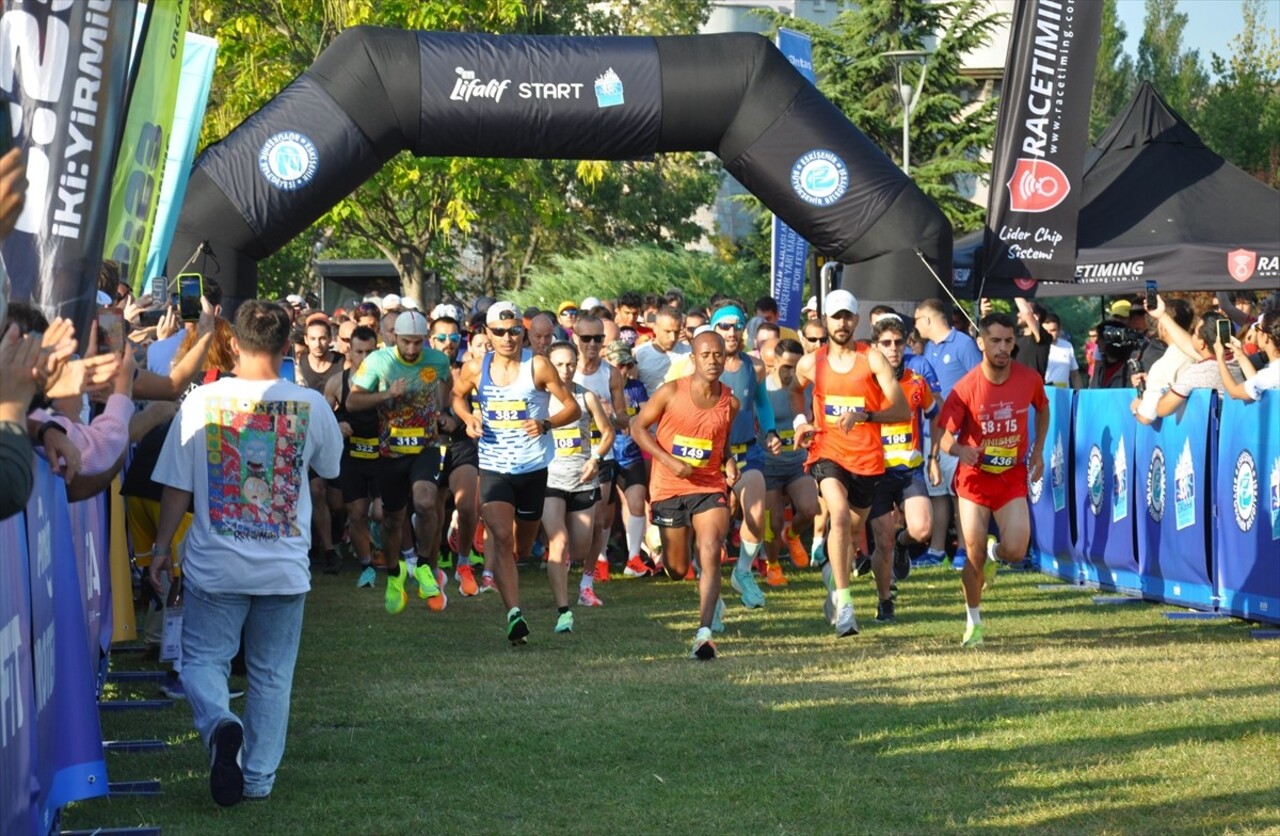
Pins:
x: 1241, y: 264
x: 1037, y: 186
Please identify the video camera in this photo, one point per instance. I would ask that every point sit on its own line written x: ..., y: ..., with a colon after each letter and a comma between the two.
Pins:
x: 1118, y: 342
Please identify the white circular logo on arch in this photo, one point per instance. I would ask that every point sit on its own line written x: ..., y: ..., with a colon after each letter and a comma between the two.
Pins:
x: 819, y: 177
x: 1244, y: 487
x: 288, y: 160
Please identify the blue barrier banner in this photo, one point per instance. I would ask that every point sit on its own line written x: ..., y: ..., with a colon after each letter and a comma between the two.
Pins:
x: 68, y: 759
x: 790, y: 252
x: 1103, y: 450
x: 89, y: 524
x: 1051, y: 551
x: 1246, y: 492
x: 17, y: 682
x: 1171, y: 477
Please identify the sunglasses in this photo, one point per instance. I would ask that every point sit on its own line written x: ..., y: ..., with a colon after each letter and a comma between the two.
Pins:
x: 514, y: 330
x: 818, y: 340
x: 728, y: 326
x: 453, y: 338
x: 891, y: 343
x: 569, y: 312
x: 591, y: 338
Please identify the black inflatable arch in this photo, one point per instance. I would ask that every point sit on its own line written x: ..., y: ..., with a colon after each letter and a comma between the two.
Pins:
x: 375, y: 92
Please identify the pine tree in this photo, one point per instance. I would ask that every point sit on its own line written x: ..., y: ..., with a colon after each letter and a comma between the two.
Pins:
x: 1114, y: 81
x: 1177, y: 75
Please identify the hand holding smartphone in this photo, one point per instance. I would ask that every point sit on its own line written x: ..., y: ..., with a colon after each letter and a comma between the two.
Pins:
x: 190, y: 291
x: 1151, y: 295
x: 1224, y: 332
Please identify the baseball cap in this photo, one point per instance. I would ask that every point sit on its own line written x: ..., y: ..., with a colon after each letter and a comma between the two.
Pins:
x: 442, y: 311
x: 839, y: 301
x: 811, y: 305
x: 565, y: 306
x: 499, y: 311
x: 104, y: 299
x: 410, y: 304
x: 295, y: 300
x: 619, y: 353
x: 411, y: 324
x: 1121, y: 308
x: 391, y: 302
x: 589, y: 303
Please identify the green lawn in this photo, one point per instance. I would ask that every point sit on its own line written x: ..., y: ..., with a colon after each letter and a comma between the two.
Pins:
x: 1073, y: 718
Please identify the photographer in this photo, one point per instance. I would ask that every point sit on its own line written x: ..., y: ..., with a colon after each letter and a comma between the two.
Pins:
x: 1117, y: 343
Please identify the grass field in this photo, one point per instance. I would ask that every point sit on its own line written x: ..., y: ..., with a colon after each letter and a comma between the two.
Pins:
x: 1073, y: 718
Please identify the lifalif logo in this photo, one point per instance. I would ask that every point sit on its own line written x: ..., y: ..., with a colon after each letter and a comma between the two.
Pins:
x: 1120, y: 497
x: 1155, y: 485
x: 1184, y: 488
x: 1244, y: 489
x: 1274, y: 490
x: 609, y: 89
x: 467, y: 87
x: 1095, y: 479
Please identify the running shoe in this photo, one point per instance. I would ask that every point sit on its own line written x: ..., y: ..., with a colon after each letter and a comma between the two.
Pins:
x: 759, y: 566
x: 637, y: 567
x: 704, y: 649
x: 564, y: 624
x: 691, y: 574
x: 172, y: 687
x: 717, y: 617
x: 466, y: 579
x: 861, y: 565
x: 517, y: 629
x: 972, y: 636
x: 799, y: 557
x: 487, y: 583
x: 602, y: 571
x: 885, y: 611
x: 928, y: 559
x: 368, y: 577
x: 958, y: 562
x: 992, y: 565
x: 427, y: 585
x: 901, y: 562
x: 332, y: 562
x: 226, y: 779
x: 396, y: 596
x: 820, y: 553
x: 437, y: 602
x: 587, y: 597
x: 846, y: 624
x: 773, y: 575
x: 658, y: 567
x: 452, y: 538
x: 745, y: 585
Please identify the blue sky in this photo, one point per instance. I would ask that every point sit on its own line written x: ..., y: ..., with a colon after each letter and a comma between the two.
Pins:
x: 1211, y: 24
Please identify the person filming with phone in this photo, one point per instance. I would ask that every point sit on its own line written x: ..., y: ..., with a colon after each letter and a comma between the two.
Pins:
x: 1207, y: 329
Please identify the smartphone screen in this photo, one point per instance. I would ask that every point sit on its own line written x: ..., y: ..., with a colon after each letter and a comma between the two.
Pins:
x: 190, y: 289
x: 111, y: 328
x: 1151, y: 294
x: 1224, y: 331
x: 6, y: 127
x: 159, y: 290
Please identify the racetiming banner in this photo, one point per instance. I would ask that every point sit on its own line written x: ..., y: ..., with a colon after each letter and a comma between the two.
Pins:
x: 790, y: 252
x: 64, y: 69
x: 1051, y: 551
x: 135, y: 188
x: 188, y: 115
x: 1247, y: 498
x: 1041, y: 136
x: 1172, y: 473
x: 1104, y: 445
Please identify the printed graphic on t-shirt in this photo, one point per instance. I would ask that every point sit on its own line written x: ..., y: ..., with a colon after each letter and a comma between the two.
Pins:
x: 255, y: 466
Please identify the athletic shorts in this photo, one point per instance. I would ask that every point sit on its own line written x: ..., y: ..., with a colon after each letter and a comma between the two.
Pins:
x: 679, y: 511
x: 947, y: 464
x: 895, y: 488
x: 748, y: 456
x: 358, y: 478
x: 575, y: 500
x: 778, y: 473
x: 860, y: 489
x: 396, y: 477
x: 523, y: 491
x: 992, y: 490
x: 633, y: 474
x: 459, y: 452
x: 607, y: 476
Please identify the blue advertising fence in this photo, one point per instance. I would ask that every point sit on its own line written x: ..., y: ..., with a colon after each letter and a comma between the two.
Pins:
x: 1050, y: 497
x: 1102, y: 457
x: 1247, y: 498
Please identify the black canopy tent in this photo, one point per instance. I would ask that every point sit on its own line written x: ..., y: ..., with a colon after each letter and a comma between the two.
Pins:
x: 1158, y: 205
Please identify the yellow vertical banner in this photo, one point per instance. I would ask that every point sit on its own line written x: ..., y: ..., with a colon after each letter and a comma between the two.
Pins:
x: 124, y: 617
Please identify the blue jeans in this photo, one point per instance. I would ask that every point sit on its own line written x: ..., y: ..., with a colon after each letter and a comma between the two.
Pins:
x: 211, y: 627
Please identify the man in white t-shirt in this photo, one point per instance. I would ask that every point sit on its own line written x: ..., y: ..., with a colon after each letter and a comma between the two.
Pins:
x: 237, y: 453
x: 1063, y: 368
x: 653, y: 358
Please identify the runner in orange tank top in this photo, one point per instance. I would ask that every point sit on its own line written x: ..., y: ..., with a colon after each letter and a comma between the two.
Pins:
x: 686, y: 487
x: 854, y: 391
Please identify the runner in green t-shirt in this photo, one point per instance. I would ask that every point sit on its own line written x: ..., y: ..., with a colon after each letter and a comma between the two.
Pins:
x: 408, y: 384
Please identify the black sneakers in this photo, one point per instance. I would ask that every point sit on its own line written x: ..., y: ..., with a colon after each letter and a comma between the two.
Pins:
x: 901, y: 559
x: 884, y: 611
x: 226, y: 780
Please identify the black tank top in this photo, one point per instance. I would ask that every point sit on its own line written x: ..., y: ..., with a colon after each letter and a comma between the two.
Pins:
x: 313, y: 379
x: 364, y: 424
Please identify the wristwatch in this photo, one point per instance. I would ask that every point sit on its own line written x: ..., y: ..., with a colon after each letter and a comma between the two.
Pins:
x: 545, y: 425
x: 45, y: 427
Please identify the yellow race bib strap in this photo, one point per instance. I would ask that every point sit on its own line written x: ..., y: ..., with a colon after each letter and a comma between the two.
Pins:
x: 998, y: 459
x: 505, y: 415
x: 836, y: 406
x: 407, y: 441
x: 568, y: 440
x: 363, y: 448
x: 695, y: 451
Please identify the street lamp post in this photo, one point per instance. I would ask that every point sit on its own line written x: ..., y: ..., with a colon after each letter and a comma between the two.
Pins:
x: 910, y: 97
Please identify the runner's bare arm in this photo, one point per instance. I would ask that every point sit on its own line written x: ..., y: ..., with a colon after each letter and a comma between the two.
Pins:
x: 601, y: 417
x: 546, y: 378
x: 1036, y: 469
x: 898, y: 409
x: 362, y: 399
x: 463, y: 385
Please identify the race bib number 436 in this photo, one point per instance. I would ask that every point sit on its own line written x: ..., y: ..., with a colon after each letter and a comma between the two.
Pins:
x: 998, y: 459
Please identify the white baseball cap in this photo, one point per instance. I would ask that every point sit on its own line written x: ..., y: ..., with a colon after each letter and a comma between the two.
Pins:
x: 410, y: 304
x: 295, y: 300
x: 391, y: 302
x: 589, y: 303
x: 442, y: 310
x: 411, y: 324
x: 500, y: 311
x: 811, y: 305
x: 840, y: 301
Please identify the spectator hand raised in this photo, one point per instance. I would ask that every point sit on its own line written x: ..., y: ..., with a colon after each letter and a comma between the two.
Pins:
x: 19, y: 381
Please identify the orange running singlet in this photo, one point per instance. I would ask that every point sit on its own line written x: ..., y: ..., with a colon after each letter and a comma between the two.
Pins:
x: 697, y: 436
x: 860, y: 450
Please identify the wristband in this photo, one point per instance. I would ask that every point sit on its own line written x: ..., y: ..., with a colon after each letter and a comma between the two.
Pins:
x: 45, y: 427
x: 798, y: 422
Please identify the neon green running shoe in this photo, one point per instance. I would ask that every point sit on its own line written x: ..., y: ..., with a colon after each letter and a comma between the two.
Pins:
x: 427, y: 585
x: 972, y: 636
x: 564, y: 624
x: 517, y: 629
x: 396, y: 597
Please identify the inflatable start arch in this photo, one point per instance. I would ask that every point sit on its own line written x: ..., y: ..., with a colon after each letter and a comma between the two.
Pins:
x: 375, y: 92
